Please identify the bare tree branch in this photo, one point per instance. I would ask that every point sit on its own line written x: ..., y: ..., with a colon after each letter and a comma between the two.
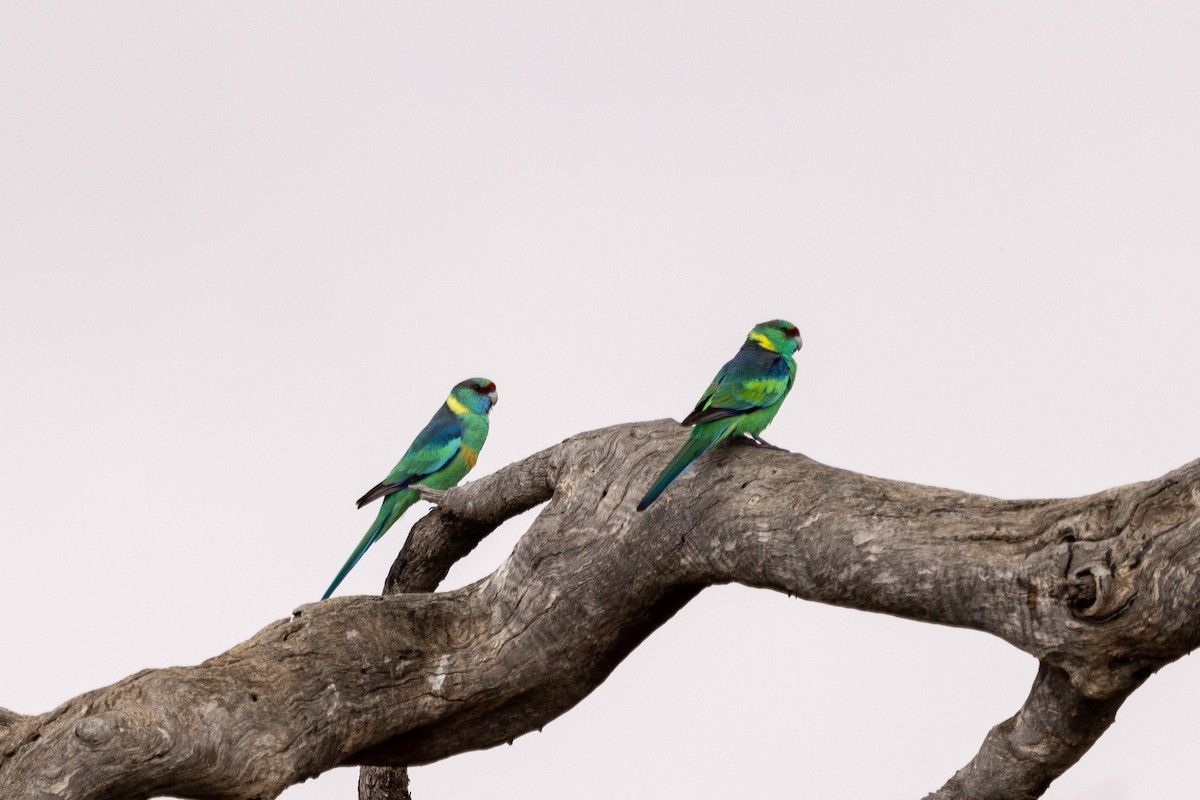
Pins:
x: 1022, y: 755
x: 1102, y: 589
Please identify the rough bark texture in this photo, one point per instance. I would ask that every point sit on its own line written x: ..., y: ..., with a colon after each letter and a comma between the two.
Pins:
x: 383, y: 782
x: 1102, y: 589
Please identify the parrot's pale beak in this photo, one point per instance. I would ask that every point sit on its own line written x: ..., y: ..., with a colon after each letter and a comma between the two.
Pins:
x: 492, y: 397
x: 799, y: 341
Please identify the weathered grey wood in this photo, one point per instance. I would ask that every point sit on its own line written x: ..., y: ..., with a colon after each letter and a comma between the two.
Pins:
x: 1102, y: 589
x: 1022, y: 755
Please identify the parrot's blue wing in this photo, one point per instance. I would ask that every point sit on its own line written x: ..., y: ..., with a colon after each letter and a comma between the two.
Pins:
x: 436, y: 444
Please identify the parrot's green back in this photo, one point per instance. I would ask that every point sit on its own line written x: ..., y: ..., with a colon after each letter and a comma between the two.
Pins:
x: 442, y: 454
x: 742, y: 399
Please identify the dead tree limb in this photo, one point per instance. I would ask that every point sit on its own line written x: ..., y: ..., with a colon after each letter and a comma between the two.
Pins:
x: 1102, y: 589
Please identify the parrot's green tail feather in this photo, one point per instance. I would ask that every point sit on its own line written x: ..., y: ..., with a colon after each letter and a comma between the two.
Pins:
x: 393, y: 506
x: 700, y: 440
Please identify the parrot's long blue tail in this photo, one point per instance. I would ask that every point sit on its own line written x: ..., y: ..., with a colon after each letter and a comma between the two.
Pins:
x: 363, y: 544
x: 702, y: 438
x: 393, y: 506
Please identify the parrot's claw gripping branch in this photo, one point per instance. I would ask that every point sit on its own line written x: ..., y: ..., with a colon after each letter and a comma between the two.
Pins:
x: 435, y: 496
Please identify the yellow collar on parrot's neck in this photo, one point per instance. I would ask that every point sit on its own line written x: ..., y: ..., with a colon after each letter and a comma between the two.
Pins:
x: 764, y: 342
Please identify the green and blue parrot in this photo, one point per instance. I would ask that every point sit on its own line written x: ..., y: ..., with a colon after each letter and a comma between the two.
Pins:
x: 742, y: 399
x: 443, y: 452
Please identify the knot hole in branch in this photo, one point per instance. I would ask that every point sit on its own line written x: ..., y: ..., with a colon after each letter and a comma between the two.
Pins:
x: 1099, y: 592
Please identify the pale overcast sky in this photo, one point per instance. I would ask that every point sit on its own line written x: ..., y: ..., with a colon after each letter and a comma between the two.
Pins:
x: 246, y: 248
